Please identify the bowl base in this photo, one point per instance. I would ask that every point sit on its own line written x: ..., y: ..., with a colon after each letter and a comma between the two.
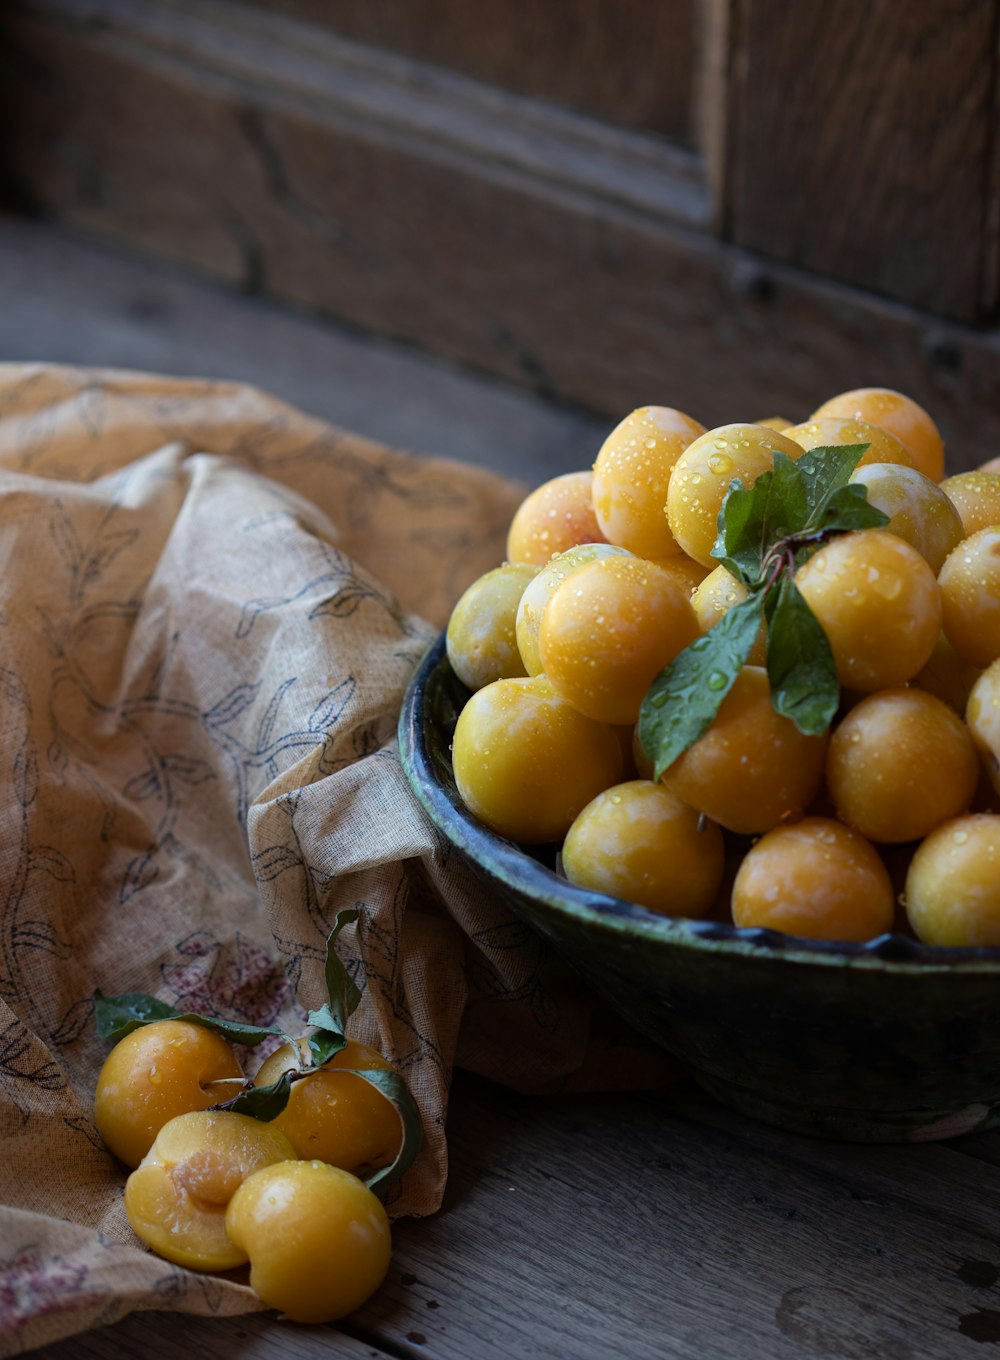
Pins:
x: 853, y: 1125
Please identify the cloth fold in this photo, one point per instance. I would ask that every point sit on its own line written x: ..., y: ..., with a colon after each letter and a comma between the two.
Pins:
x: 210, y: 606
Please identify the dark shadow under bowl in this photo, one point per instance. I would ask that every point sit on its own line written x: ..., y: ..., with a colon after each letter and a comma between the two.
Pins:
x: 888, y: 1041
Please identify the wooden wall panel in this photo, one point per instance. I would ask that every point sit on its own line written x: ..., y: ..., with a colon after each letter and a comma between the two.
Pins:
x: 170, y: 149
x: 632, y: 64
x: 860, y: 142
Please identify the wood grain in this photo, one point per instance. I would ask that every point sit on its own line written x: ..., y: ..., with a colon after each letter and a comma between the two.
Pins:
x: 627, y: 64
x: 657, y: 1226
x: 167, y: 143
x: 862, y: 142
x: 71, y: 300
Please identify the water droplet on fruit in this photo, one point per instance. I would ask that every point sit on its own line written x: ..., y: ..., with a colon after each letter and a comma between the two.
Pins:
x: 960, y: 837
x: 720, y: 463
x: 889, y: 587
x: 155, y: 1077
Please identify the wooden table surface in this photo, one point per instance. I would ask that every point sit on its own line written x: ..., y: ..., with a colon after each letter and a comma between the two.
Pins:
x: 658, y: 1225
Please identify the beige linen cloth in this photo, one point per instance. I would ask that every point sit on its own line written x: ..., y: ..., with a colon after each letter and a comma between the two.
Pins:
x: 210, y: 606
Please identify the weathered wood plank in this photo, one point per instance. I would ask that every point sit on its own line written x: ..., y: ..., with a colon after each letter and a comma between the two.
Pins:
x: 256, y: 1336
x: 936, y: 1181
x: 70, y: 300
x: 862, y: 143
x: 689, y: 1242
x: 625, y: 64
x: 580, y: 298
x: 420, y: 104
x: 662, y: 1226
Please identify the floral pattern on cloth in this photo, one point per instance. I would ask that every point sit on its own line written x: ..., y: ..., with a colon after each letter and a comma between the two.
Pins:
x: 211, y: 605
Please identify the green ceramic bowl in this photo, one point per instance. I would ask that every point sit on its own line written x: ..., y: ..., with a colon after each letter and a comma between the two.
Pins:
x: 889, y: 1041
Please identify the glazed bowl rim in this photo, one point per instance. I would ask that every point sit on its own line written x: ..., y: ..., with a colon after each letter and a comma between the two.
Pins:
x: 521, y: 873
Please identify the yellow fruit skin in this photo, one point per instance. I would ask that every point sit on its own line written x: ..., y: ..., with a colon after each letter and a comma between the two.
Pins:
x: 703, y: 473
x: 176, y: 1198
x: 817, y: 879
x: 899, y: 764
x: 631, y: 475
x: 823, y: 431
x: 753, y: 767
x: 976, y: 497
x: 970, y: 597
x: 555, y: 516
x: 947, y: 676
x: 153, y: 1074
x: 639, y: 842
x: 899, y: 415
x: 715, y: 596
x: 607, y: 632
x: 336, y: 1117
x: 919, y: 510
x: 953, y: 883
x: 480, y: 638
x: 879, y: 604
x: 983, y: 717
x: 526, y: 761
x: 540, y: 590
x: 318, y: 1240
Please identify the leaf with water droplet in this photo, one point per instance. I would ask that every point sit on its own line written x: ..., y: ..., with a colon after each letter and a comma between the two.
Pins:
x: 787, y: 514
x: 686, y: 695
x: 798, y: 497
x: 826, y: 469
x: 800, y: 665
x: 753, y: 519
x: 849, y: 509
x: 262, y: 1102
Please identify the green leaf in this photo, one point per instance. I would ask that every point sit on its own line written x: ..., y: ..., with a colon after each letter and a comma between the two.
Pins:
x: 824, y: 471
x: 752, y: 520
x: 262, y: 1102
x: 684, y: 698
x: 849, y: 508
x: 394, y: 1088
x: 267, y: 1102
x: 116, y: 1016
x: 328, y: 1042
x: 344, y: 996
x: 736, y: 543
x: 800, y: 664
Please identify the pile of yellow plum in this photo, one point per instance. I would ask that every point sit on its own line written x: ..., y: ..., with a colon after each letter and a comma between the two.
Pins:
x: 213, y: 1189
x: 885, y: 816
x: 278, y: 1172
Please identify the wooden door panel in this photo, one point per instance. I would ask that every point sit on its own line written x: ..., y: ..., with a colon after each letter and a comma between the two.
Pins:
x: 860, y: 143
x: 627, y: 62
